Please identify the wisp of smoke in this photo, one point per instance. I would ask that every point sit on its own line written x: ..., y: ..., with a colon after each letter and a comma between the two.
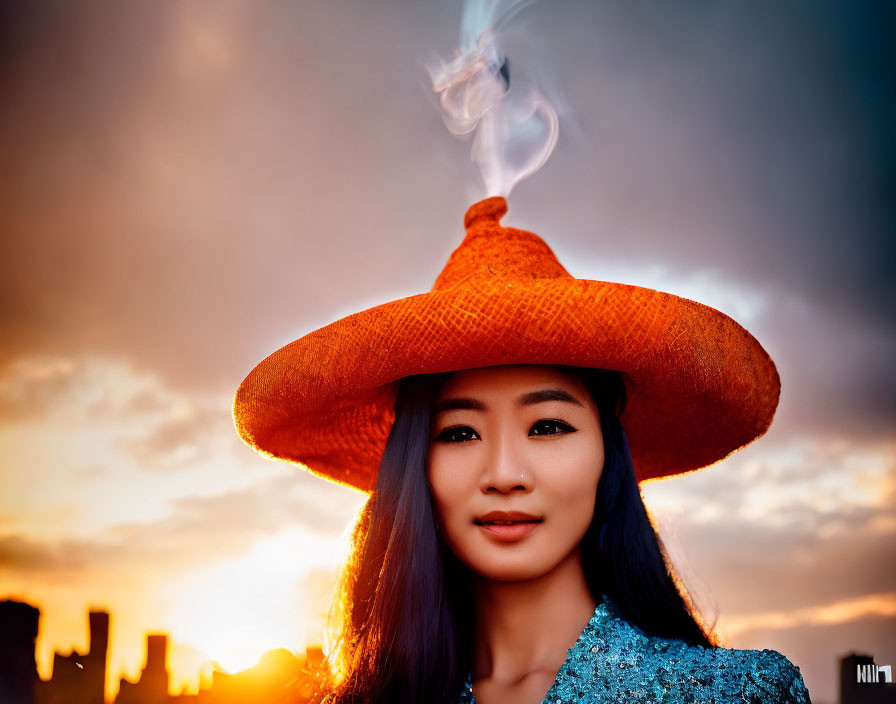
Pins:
x: 515, y: 127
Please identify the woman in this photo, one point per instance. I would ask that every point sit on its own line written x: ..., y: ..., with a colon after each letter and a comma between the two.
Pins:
x: 514, y: 392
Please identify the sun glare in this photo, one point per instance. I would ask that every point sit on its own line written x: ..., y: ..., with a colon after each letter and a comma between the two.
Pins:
x: 237, y: 610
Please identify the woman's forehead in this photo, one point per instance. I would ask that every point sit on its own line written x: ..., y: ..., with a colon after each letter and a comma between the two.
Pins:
x: 505, y: 377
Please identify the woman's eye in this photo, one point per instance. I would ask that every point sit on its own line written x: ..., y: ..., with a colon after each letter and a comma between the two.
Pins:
x: 464, y: 433
x: 459, y: 433
x: 551, y: 427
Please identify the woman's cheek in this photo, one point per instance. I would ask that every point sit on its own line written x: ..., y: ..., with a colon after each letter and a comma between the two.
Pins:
x: 577, y: 492
x: 447, y: 494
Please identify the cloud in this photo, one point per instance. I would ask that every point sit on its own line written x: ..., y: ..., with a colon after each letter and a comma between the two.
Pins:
x: 780, y: 474
x: 759, y: 568
x: 159, y: 427
x: 198, y: 530
x: 87, y: 387
x: 841, y: 611
x: 785, y: 528
x: 236, y: 518
x: 25, y: 555
x: 30, y: 387
x: 194, y: 430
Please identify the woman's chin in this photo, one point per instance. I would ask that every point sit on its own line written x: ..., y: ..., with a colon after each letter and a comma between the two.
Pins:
x: 517, y: 568
x: 514, y: 575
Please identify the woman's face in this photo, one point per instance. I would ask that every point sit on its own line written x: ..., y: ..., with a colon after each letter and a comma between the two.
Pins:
x: 514, y: 438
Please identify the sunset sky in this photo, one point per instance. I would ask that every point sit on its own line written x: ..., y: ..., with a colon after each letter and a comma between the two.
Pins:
x: 190, y: 185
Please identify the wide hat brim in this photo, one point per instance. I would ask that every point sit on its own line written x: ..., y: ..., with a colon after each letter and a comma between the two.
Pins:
x: 699, y: 385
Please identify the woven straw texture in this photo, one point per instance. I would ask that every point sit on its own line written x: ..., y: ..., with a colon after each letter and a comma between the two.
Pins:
x: 699, y: 385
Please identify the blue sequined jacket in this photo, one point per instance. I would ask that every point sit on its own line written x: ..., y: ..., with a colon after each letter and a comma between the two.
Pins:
x: 614, y: 661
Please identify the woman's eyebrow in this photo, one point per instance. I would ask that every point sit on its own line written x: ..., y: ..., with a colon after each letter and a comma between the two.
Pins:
x: 528, y: 399
x: 548, y: 395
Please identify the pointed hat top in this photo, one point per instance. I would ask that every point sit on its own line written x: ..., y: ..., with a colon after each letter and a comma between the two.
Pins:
x: 491, y: 251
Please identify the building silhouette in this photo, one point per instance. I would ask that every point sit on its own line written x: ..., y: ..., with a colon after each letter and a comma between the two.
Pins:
x: 18, y: 666
x: 860, y: 682
x: 279, y: 677
x: 153, y: 683
x: 79, y: 678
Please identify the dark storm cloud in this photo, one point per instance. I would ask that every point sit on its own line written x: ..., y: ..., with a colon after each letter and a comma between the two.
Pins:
x: 196, y: 185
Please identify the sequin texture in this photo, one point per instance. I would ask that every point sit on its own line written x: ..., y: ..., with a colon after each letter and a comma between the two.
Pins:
x: 615, y: 661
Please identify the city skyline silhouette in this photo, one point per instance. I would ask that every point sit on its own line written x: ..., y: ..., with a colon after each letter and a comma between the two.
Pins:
x: 85, y: 678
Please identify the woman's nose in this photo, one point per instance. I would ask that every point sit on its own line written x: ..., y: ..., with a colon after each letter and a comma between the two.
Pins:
x: 506, y: 467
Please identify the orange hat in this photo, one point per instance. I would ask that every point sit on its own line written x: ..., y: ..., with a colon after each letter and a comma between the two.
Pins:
x: 699, y: 385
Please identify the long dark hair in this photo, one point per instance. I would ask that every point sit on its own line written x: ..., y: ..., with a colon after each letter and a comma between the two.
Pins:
x: 405, y: 608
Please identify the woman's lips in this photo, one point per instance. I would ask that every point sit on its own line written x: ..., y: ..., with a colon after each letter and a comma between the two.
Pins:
x: 509, y: 533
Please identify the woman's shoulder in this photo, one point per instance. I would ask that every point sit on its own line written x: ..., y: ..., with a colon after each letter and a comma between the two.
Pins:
x: 754, y: 675
x: 693, y: 671
x: 777, y: 672
x: 673, y: 670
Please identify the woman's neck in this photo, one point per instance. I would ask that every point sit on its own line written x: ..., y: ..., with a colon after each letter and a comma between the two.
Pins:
x: 526, y: 627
